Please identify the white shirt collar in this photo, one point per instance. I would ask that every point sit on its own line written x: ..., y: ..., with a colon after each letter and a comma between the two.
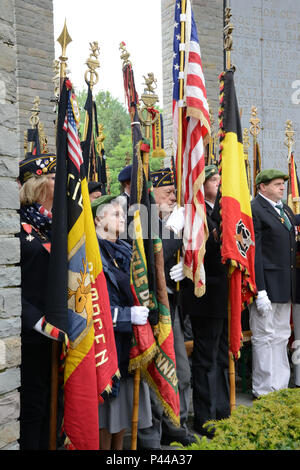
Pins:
x: 209, y: 203
x: 270, y: 200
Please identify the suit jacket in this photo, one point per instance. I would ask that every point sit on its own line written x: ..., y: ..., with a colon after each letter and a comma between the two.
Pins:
x: 275, y: 251
x: 214, y: 302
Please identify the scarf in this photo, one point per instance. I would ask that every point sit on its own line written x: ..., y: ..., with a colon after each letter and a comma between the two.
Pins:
x: 37, y: 216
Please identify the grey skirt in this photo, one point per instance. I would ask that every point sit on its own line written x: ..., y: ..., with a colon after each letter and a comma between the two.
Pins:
x: 115, y: 413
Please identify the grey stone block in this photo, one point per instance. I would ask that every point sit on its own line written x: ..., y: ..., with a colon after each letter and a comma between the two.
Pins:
x: 9, y: 221
x: 9, y: 407
x: 9, y: 190
x: 9, y: 250
x: 10, y: 276
x: 9, y: 380
x: 10, y: 302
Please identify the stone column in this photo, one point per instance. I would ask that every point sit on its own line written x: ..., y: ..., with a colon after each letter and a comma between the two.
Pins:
x: 10, y: 296
x: 35, y: 52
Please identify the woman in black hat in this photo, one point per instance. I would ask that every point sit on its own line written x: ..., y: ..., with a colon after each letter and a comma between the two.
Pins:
x: 115, y: 414
x: 37, y: 178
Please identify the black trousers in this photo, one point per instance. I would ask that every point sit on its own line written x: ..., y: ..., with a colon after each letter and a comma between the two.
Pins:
x: 35, y: 396
x: 210, y: 369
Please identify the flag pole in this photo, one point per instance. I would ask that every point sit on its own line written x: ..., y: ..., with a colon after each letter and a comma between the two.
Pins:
x: 228, y: 29
x: 289, y: 142
x: 180, y: 112
x: 246, y: 145
x: 254, y: 131
x: 64, y: 39
x: 149, y: 99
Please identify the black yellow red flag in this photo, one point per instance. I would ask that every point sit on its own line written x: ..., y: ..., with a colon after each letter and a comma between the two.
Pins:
x: 90, y: 359
x: 237, y: 233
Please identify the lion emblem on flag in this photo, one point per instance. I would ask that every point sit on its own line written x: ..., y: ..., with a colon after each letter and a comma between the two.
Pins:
x: 243, y: 238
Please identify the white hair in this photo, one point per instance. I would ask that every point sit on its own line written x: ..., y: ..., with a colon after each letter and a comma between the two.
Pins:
x: 119, y: 200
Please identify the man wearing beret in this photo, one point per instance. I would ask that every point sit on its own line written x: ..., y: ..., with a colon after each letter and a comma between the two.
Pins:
x: 209, y: 318
x: 94, y: 188
x: 162, y: 430
x: 275, y: 262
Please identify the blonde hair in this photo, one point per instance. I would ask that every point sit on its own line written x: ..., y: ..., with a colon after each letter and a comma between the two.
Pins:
x: 33, y: 190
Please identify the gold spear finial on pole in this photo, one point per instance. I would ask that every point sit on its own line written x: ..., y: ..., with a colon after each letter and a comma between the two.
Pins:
x: 254, y: 131
x: 91, y: 76
x: 228, y: 41
x: 64, y: 39
x: 124, y: 53
x: 289, y: 140
x: 255, y: 122
x: 149, y: 99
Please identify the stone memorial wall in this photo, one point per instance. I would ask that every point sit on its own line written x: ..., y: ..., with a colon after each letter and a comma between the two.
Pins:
x: 266, y: 43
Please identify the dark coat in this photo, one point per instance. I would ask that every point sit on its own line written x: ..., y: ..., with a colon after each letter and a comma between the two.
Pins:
x: 34, y: 270
x: 275, y: 251
x: 122, y: 302
x: 214, y: 302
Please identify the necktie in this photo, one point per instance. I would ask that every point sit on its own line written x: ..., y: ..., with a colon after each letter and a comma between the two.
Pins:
x: 284, y: 216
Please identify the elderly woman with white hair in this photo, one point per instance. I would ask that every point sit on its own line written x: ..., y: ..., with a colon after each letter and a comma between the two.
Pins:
x: 36, y: 179
x: 115, y: 413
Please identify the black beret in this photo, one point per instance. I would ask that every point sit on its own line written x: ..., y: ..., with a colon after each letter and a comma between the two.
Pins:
x: 125, y: 174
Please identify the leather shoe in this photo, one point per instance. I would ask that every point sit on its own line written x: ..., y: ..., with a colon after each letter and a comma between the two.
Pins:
x: 184, y: 440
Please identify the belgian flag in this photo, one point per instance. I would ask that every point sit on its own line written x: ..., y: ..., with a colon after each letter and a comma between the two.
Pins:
x: 237, y: 233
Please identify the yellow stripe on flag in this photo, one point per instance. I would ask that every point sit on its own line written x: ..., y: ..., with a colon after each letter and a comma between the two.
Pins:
x: 233, y: 170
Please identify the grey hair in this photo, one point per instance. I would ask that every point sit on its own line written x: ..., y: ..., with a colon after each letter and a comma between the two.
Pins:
x: 119, y: 200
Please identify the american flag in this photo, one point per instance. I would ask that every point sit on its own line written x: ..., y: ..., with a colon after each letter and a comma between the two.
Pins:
x: 74, y: 148
x: 195, y: 126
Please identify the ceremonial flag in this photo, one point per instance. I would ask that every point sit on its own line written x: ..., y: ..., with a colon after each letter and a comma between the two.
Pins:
x: 195, y: 129
x: 91, y: 158
x: 152, y: 344
x: 293, y: 198
x: 91, y: 359
x: 237, y: 239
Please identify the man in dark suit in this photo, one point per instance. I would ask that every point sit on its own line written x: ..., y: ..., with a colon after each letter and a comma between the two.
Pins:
x: 275, y: 263
x: 208, y: 316
x: 162, y: 430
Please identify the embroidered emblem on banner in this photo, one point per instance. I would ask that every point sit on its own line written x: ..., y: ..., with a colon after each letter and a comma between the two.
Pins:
x: 243, y: 238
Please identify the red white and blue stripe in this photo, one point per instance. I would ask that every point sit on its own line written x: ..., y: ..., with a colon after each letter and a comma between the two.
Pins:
x: 74, y: 147
x: 195, y: 126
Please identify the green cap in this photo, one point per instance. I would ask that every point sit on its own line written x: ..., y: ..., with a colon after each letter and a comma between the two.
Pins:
x: 269, y: 175
x: 100, y: 201
x: 210, y: 170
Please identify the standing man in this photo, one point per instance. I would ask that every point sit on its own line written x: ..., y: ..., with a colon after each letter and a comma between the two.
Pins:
x: 275, y: 263
x: 209, y: 320
x: 162, y: 430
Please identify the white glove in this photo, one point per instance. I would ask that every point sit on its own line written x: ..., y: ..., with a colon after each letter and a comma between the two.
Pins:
x: 176, y: 220
x: 139, y: 315
x: 263, y: 303
x: 176, y: 273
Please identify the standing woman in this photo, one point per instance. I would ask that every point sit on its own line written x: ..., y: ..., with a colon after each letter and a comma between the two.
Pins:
x: 37, y: 178
x: 115, y: 414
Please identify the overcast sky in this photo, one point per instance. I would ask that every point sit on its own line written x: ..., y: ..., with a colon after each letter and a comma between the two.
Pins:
x: 136, y: 22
